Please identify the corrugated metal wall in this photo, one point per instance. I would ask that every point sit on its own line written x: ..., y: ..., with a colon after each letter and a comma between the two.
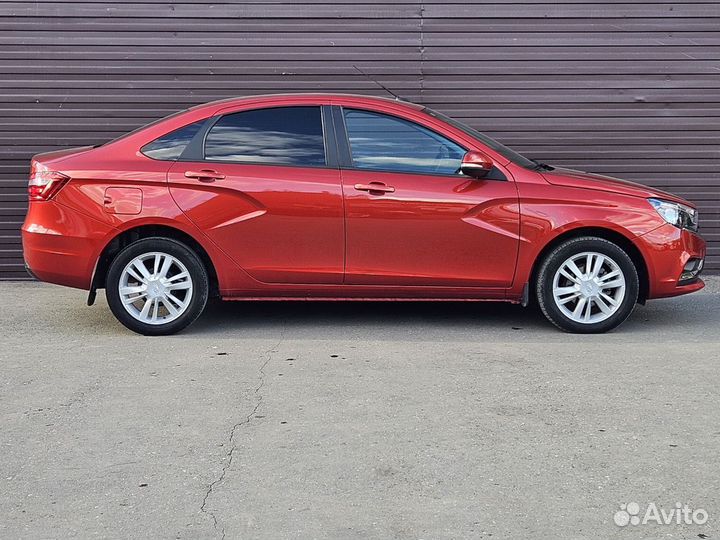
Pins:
x: 630, y: 89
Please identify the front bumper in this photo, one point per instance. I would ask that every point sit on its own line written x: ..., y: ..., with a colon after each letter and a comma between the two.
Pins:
x: 669, y: 252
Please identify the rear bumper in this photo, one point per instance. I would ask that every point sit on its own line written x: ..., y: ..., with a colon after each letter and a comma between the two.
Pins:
x: 667, y: 251
x: 60, y: 245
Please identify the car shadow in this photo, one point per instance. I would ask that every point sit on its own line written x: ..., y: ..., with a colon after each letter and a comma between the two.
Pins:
x: 299, y: 314
x: 437, y: 320
x: 686, y: 316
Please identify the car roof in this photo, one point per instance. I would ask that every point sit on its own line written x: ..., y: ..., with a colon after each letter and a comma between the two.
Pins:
x: 200, y: 112
x: 284, y: 98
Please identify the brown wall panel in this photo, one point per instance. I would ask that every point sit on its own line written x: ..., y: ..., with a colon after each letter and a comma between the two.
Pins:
x: 630, y: 89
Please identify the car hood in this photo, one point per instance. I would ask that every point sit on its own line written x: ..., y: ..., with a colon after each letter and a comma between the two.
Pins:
x: 583, y: 180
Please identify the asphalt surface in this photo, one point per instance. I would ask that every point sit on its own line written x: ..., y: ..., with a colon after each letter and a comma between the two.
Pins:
x: 358, y: 421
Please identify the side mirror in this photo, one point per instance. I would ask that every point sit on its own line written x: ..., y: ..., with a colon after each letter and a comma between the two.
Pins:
x: 476, y: 164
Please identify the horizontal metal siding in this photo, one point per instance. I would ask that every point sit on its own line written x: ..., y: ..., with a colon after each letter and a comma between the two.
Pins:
x: 630, y: 89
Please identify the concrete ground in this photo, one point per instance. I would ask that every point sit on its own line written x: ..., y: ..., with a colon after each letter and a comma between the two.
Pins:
x: 354, y: 421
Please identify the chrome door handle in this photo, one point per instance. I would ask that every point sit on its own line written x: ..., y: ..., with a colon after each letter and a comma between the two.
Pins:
x: 205, y: 175
x: 375, y: 188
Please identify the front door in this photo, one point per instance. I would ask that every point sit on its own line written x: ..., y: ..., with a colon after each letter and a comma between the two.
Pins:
x: 412, y: 218
x: 266, y: 194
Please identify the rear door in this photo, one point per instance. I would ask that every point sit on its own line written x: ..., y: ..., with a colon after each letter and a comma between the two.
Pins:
x: 267, y: 191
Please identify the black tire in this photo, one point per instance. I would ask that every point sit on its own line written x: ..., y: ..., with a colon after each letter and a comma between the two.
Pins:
x: 557, y: 257
x: 188, y: 258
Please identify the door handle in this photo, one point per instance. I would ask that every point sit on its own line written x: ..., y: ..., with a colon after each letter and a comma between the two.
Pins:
x: 375, y: 188
x: 206, y: 175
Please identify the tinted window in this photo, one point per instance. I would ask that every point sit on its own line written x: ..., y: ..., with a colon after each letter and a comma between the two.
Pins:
x: 501, y: 149
x: 170, y: 146
x: 383, y: 142
x: 282, y: 136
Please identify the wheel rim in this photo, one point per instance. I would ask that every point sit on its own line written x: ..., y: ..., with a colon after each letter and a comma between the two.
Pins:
x: 155, y: 288
x: 589, y: 287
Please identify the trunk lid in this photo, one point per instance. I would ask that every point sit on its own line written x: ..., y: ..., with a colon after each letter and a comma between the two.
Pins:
x: 54, y: 157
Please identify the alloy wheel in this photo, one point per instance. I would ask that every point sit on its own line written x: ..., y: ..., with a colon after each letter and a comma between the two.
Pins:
x: 155, y: 288
x: 589, y: 287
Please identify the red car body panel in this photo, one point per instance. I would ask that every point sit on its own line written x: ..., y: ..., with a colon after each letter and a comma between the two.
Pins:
x: 278, y: 232
x: 280, y: 226
x: 422, y: 233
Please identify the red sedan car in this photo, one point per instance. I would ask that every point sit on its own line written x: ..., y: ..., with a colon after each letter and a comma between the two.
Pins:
x: 312, y: 196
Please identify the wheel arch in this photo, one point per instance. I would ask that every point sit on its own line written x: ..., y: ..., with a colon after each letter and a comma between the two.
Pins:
x: 133, y: 234
x: 622, y: 241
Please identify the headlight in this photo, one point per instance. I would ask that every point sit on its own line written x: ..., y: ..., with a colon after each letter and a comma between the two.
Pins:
x: 676, y: 214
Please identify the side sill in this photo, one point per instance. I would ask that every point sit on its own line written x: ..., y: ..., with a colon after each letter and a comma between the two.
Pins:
x: 357, y: 299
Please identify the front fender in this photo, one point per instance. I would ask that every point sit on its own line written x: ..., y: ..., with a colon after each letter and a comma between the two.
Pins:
x: 549, y: 212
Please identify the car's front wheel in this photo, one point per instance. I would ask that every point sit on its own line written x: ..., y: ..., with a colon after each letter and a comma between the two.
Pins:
x: 156, y: 286
x: 587, y: 285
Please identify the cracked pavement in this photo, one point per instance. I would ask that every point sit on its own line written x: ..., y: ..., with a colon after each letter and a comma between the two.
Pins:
x: 347, y: 420
x: 228, y: 461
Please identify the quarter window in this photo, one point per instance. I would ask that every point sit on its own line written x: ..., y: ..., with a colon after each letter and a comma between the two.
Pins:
x: 276, y: 136
x: 383, y: 142
x: 171, y: 145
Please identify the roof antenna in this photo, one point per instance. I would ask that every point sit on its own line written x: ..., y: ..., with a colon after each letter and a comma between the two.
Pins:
x: 393, y: 94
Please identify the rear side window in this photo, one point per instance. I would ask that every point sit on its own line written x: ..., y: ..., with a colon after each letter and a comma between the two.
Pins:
x: 171, y: 145
x: 275, y: 136
x: 388, y: 143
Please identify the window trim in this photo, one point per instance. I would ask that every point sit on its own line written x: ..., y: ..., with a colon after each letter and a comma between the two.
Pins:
x: 199, y: 141
x: 179, y: 158
x: 194, y: 147
x: 329, y: 137
x: 343, y: 140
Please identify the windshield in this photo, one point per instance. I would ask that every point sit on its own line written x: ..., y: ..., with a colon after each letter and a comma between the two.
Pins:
x: 503, y: 150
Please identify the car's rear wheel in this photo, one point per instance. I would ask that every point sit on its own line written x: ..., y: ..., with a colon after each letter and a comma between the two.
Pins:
x: 587, y: 285
x: 156, y: 286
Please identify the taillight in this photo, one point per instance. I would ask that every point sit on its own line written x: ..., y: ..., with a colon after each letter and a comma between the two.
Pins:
x: 44, y: 183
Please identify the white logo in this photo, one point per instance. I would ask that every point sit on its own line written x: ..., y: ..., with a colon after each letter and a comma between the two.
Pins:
x: 681, y: 514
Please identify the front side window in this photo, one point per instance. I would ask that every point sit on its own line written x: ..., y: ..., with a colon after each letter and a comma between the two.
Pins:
x: 275, y: 136
x: 382, y: 142
x: 501, y: 149
x: 171, y: 145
